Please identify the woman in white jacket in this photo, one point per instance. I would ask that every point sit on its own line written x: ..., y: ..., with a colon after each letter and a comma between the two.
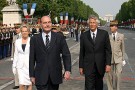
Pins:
x: 21, y: 59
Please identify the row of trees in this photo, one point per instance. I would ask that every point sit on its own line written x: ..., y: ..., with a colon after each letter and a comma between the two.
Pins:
x: 75, y: 8
x: 127, y: 11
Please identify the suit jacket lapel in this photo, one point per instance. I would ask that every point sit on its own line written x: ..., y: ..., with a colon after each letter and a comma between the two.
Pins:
x: 52, y: 42
x: 27, y: 45
x: 89, y: 37
x: 41, y: 42
x: 97, y: 36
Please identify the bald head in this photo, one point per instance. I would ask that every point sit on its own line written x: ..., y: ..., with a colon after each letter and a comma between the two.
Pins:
x: 46, y: 24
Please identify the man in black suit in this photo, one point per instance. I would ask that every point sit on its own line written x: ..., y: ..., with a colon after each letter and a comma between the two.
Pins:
x: 95, y: 55
x: 45, y: 61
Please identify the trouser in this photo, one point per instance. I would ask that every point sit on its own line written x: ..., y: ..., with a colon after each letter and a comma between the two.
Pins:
x: 72, y: 34
x: 113, y: 77
x: 1, y: 52
x: 94, y: 81
x: 48, y: 86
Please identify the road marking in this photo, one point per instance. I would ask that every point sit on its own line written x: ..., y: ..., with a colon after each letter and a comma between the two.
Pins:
x: 133, y: 72
x: 67, y: 39
x: 75, y: 60
x: 73, y: 46
x: 133, y: 38
x: 7, y: 84
x: 125, y: 38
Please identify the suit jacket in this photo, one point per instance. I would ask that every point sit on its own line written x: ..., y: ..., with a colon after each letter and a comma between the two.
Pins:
x: 118, y: 48
x: 45, y: 63
x: 91, y: 53
x: 13, y: 44
x: 21, y: 58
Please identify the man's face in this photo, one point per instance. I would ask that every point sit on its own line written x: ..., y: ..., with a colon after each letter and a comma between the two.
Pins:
x: 46, y: 23
x: 17, y: 30
x: 113, y: 28
x: 93, y: 24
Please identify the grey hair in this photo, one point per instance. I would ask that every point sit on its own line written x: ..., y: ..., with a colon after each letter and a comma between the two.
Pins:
x: 93, y: 17
x: 25, y: 26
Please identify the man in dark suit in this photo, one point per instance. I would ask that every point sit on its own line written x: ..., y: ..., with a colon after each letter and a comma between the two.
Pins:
x: 95, y: 55
x: 45, y: 61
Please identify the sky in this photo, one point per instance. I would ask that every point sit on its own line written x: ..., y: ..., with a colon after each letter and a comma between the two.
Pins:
x: 104, y: 7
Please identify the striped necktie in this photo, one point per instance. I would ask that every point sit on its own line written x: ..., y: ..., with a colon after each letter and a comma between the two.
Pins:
x: 47, y: 41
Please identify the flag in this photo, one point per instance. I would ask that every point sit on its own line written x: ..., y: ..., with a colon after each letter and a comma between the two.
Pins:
x: 72, y: 20
x: 61, y: 18
x: 66, y: 18
x: 25, y: 10
x: 33, y: 9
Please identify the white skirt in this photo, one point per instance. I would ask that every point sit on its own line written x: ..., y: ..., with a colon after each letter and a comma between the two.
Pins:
x: 23, y: 75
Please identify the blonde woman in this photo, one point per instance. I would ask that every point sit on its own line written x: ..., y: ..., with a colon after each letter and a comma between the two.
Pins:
x: 21, y: 59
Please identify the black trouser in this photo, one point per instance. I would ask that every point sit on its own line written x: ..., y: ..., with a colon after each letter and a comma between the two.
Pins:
x: 94, y: 81
x: 72, y: 34
x: 76, y: 37
x: 48, y: 86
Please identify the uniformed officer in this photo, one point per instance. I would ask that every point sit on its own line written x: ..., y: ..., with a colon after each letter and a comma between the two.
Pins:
x: 118, y: 52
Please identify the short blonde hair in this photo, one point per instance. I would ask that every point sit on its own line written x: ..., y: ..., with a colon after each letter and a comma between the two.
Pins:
x: 25, y: 26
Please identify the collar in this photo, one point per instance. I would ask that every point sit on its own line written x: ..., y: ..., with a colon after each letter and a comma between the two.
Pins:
x: 46, y: 34
x: 115, y: 33
x: 95, y: 32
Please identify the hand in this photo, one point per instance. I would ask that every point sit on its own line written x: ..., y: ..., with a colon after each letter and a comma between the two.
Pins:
x: 81, y: 71
x: 108, y: 68
x: 124, y: 63
x: 32, y: 80
x: 67, y: 75
x: 14, y: 70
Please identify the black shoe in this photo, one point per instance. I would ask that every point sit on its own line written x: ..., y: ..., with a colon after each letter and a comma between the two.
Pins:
x: 15, y: 87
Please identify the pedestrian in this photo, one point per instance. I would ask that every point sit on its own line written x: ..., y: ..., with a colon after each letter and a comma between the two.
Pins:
x: 15, y: 37
x: 21, y: 59
x: 76, y: 32
x: 45, y: 61
x: 72, y: 31
x: 1, y: 44
x: 95, y: 55
x: 118, y: 52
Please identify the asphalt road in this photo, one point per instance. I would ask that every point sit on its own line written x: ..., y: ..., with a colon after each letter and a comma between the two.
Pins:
x: 77, y: 81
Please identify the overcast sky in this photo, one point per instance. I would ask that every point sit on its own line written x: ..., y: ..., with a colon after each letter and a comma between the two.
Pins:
x: 103, y: 7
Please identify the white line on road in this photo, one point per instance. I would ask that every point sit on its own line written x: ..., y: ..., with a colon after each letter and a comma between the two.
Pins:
x: 127, y: 59
x: 7, y: 84
x: 75, y: 60
x: 133, y: 38
x: 73, y: 46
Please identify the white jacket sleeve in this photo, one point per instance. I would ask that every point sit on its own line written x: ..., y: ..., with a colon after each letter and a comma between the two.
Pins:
x: 15, y: 60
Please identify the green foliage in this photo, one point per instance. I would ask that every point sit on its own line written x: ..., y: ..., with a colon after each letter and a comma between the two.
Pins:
x: 3, y: 3
x: 127, y: 11
x: 75, y: 8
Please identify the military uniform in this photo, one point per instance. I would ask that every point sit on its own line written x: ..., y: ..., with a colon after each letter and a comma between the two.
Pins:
x: 118, y: 52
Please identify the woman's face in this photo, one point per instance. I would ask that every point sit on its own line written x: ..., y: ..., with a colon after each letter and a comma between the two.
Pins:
x: 25, y: 32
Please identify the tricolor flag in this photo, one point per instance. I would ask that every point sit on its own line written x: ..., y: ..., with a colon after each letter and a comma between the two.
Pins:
x: 61, y: 18
x: 25, y: 10
x: 33, y: 9
x: 72, y: 20
x: 66, y: 19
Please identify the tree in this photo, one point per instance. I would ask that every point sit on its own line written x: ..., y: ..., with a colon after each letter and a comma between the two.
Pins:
x: 3, y: 3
